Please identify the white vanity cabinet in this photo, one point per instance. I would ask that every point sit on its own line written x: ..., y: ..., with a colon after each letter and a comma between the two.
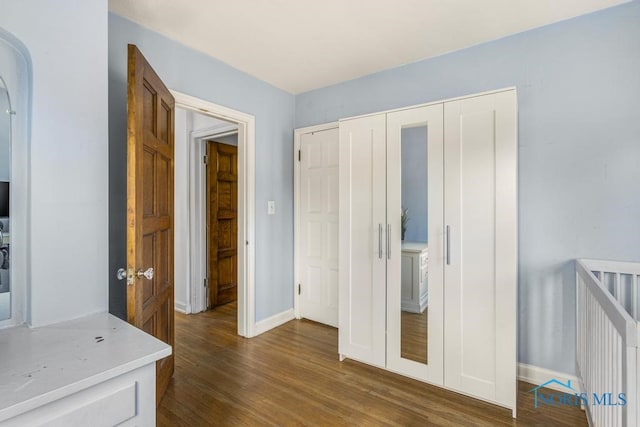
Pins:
x: 415, y: 256
x: 93, y: 371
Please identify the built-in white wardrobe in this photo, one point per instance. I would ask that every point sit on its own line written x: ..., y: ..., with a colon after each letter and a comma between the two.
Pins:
x: 441, y: 177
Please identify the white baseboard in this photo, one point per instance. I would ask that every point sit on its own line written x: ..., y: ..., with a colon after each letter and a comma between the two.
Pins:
x: 273, y: 321
x: 536, y: 376
x: 182, y: 307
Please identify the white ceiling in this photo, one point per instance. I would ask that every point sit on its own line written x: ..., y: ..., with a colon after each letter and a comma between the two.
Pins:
x: 300, y: 45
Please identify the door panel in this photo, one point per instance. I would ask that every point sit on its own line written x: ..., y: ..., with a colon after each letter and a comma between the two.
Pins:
x: 415, y: 181
x: 150, y: 207
x: 222, y: 206
x: 319, y: 226
x: 362, y: 251
x: 480, y: 275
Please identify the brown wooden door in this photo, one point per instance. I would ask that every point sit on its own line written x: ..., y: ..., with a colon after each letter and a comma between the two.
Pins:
x: 222, y: 185
x: 150, y: 108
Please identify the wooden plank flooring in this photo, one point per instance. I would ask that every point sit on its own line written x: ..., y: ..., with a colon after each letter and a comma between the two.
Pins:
x: 414, y: 336
x: 291, y: 376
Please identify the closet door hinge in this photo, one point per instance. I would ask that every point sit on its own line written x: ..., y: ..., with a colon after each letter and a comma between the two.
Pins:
x: 299, y: 288
x: 205, y: 159
x: 299, y: 155
x: 206, y: 282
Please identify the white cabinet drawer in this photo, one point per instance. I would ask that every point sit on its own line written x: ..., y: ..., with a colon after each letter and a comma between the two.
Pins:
x: 424, y: 259
x: 423, y: 274
x: 126, y: 400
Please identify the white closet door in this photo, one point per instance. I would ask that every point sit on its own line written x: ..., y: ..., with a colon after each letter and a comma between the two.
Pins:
x: 415, y: 182
x: 319, y: 226
x: 362, y: 222
x: 480, y: 270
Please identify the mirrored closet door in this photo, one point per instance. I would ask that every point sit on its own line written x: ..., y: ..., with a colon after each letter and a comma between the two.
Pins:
x: 415, y: 241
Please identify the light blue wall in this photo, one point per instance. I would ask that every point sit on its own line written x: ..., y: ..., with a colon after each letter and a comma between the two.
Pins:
x: 414, y: 181
x: 194, y: 73
x: 579, y: 150
x: 65, y: 43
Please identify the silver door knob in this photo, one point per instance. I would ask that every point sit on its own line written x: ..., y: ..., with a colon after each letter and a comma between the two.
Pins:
x: 148, y: 273
x: 121, y: 274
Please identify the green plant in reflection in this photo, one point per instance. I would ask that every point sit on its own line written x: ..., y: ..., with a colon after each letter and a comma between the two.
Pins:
x: 404, y: 219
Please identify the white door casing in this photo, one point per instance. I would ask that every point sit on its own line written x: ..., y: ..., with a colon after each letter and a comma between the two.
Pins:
x: 246, y: 211
x: 318, y: 227
x: 432, y: 117
x: 480, y: 273
x: 362, y: 252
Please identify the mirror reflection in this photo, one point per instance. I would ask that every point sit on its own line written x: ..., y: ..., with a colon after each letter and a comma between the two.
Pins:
x: 415, y: 249
x: 5, y: 173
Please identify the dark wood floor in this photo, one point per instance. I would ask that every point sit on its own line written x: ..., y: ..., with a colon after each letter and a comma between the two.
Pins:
x: 291, y: 376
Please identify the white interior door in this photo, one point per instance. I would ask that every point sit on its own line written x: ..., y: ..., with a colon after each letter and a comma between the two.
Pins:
x: 318, y: 226
x: 362, y: 220
x: 415, y: 181
x: 480, y: 266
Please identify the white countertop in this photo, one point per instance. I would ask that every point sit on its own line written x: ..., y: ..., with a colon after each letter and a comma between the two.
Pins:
x: 409, y: 246
x: 40, y: 365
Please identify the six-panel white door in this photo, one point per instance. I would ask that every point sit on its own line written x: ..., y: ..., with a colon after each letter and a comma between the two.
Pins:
x: 362, y: 252
x: 318, y: 227
x: 481, y: 255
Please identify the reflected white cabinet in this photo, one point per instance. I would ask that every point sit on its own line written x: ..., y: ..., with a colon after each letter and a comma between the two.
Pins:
x: 467, y: 279
x: 414, y: 276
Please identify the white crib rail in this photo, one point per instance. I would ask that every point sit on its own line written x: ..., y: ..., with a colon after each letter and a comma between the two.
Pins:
x: 606, y: 346
x: 611, y: 275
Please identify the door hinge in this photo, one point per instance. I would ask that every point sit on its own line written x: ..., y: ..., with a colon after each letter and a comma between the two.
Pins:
x: 206, y: 282
x: 205, y: 159
x: 299, y: 155
x: 299, y: 288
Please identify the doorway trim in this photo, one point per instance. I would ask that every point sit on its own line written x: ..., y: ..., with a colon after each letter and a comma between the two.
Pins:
x: 297, y: 137
x: 246, y: 211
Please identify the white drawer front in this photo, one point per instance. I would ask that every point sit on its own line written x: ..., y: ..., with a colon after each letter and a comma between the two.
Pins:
x: 423, y: 274
x: 424, y: 258
x: 126, y: 400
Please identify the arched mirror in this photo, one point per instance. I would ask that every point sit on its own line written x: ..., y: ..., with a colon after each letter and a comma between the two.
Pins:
x: 5, y: 188
x: 15, y: 89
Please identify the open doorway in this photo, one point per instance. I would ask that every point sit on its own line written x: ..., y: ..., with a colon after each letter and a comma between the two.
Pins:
x: 210, y: 244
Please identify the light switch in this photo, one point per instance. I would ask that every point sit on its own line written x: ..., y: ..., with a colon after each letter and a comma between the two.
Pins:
x: 271, y: 207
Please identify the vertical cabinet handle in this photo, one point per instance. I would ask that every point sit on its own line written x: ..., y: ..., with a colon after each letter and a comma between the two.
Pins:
x: 380, y: 241
x: 448, y: 239
x: 388, y: 241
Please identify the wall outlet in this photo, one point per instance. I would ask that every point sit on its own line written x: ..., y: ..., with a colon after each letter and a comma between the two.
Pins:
x: 271, y: 207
